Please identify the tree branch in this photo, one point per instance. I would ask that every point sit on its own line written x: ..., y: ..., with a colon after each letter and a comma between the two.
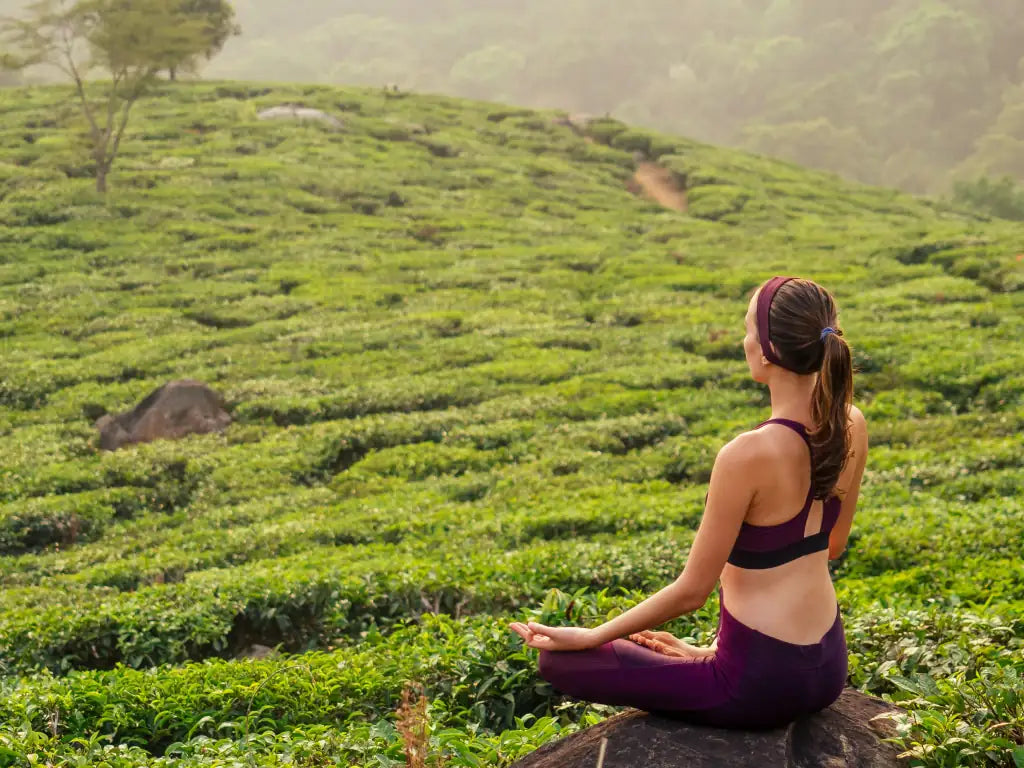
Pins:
x: 129, y: 102
x: 69, y: 57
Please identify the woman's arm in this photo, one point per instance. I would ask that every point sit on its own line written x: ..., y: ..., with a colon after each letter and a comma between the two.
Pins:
x: 666, y: 604
x: 733, y: 479
x: 849, y: 481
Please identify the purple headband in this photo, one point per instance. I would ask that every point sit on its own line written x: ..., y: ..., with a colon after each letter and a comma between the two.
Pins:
x: 764, y: 306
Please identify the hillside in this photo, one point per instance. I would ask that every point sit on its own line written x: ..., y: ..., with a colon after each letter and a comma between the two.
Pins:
x: 914, y: 94
x: 466, y: 365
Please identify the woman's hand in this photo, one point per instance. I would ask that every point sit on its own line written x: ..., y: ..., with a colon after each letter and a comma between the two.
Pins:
x: 666, y: 638
x: 669, y: 645
x: 554, y: 638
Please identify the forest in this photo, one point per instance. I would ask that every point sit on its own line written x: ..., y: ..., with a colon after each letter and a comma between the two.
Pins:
x: 908, y: 94
x: 904, y: 93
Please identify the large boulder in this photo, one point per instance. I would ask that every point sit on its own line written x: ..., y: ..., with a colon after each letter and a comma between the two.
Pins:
x: 174, y: 410
x: 290, y: 112
x: 846, y: 735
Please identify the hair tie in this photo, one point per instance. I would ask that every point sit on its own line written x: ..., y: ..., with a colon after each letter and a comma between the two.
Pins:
x: 827, y: 331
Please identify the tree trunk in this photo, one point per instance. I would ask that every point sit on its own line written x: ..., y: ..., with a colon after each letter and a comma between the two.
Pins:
x: 173, y: 72
x: 101, y: 178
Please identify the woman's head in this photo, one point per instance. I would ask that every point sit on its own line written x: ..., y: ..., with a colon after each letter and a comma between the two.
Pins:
x: 786, y: 328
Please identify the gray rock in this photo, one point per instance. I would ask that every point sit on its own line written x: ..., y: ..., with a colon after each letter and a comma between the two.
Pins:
x: 257, y: 652
x: 845, y: 735
x: 288, y: 112
x: 172, y: 411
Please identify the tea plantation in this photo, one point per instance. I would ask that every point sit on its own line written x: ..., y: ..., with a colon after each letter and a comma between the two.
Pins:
x: 474, y: 379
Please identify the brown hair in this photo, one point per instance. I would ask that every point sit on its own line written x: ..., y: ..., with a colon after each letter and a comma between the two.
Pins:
x: 800, y: 311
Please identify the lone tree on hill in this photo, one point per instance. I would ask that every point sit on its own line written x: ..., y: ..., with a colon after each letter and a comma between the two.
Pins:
x: 131, y: 41
x: 218, y: 19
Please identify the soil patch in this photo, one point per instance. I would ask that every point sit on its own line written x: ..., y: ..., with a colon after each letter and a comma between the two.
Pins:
x: 657, y: 183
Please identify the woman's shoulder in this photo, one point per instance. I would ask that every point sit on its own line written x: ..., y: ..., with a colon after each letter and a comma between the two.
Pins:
x: 761, y: 441
x: 858, y: 428
x: 858, y: 424
x: 748, y: 447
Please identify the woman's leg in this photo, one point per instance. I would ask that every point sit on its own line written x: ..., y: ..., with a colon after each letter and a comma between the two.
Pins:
x: 624, y: 673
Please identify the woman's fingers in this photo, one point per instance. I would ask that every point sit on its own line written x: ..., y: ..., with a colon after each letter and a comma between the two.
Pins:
x: 666, y: 649
x: 666, y: 637
x: 521, y: 629
x: 554, y: 638
x: 647, y: 638
x: 648, y: 642
x: 533, y: 639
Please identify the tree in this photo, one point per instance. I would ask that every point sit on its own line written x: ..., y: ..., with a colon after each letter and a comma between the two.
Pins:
x: 218, y: 24
x: 816, y: 143
x: 997, y: 197
x: 1000, y: 151
x: 129, y: 40
x: 487, y: 72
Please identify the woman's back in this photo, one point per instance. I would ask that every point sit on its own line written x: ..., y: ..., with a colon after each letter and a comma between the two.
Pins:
x: 794, y: 600
x: 780, y: 503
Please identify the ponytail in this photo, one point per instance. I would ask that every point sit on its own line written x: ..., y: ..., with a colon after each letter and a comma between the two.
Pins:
x: 798, y: 317
x: 830, y: 406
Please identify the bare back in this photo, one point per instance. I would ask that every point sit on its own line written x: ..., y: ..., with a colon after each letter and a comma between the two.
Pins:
x: 794, y: 601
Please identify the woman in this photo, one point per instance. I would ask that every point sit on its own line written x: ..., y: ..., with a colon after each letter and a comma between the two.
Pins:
x: 780, y: 652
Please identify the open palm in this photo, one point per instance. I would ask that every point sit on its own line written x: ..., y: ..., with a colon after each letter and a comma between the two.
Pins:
x: 546, y: 638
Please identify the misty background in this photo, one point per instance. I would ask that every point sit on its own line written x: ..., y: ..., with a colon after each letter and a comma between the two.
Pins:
x: 908, y: 93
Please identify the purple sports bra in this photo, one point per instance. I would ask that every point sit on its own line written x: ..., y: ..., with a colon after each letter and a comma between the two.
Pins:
x: 766, y: 546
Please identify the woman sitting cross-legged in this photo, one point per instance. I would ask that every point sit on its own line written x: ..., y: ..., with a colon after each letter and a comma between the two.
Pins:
x: 780, y: 504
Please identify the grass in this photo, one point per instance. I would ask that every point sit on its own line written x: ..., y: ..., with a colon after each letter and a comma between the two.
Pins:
x: 472, y: 378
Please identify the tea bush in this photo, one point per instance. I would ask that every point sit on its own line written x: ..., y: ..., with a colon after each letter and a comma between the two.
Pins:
x: 472, y: 378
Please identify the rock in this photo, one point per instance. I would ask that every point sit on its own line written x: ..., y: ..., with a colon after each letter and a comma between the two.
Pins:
x: 257, y: 652
x: 299, y: 113
x: 174, y: 162
x: 842, y: 736
x: 176, y: 409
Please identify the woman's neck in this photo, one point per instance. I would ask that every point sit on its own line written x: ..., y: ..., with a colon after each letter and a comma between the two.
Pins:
x: 791, y: 396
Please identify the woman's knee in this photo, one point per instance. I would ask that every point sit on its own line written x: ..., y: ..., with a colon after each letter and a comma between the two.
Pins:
x: 547, y: 665
x: 568, y: 668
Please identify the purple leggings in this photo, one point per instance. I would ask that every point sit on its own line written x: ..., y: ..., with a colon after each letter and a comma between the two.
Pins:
x: 753, y: 680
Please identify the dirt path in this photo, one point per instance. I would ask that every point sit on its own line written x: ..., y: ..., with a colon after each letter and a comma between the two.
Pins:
x: 657, y: 183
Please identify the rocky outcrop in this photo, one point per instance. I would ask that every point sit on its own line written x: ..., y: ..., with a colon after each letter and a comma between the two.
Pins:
x: 846, y: 735
x: 288, y: 112
x: 176, y: 409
